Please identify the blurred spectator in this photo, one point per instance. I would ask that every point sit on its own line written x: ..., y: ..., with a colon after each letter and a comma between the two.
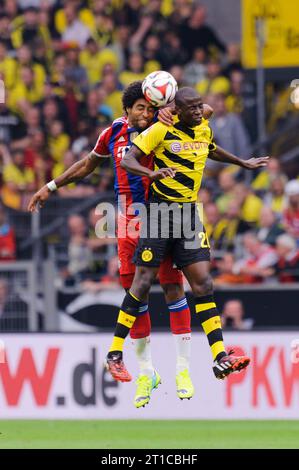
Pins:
x: 275, y: 197
x: 229, y: 130
x: 111, y: 88
x: 79, y: 254
x: 177, y: 72
x: 8, y: 66
x: 29, y: 29
x: 25, y: 59
x: 5, y: 30
x: 258, y: 257
x: 269, y: 227
x: 109, y: 281
x: 229, y: 227
x: 74, y: 30
x: 196, y: 33
x: 135, y: 70
x: 195, y: 71
x: 204, y: 196
x: 74, y: 71
x: 18, y: 180
x: 95, y: 112
x: 13, y: 310
x: 251, y: 204
x: 264, y: 179
x: 11, y: 125
x: 171, y: 50
x: 233, y: 59
x: 226, y: 182
x: 225, y: 271
x: 242, y: 100
x: 291, y: 213
x: 287, y: 266
x: 7, y: 238
x: 58, y: 141
x: 211, y: 218
x: 233, y: 316
x: 120, y: 44
x: 214, y: 82
x: 25, y: 93
x: 101, y: 239
x: 93, y: 59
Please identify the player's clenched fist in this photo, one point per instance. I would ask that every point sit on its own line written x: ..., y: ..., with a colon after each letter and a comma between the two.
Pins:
x: 38, y: 199
x: 162, y: 173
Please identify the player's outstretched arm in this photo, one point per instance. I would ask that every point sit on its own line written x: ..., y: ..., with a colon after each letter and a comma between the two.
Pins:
x: 131, y: 164
x: 221, y: 155
x: 76, y: 172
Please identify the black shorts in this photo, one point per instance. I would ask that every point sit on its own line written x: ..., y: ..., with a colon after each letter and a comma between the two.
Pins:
x: 175, y: 229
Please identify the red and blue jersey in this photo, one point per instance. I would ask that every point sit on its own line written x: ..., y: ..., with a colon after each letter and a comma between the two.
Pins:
x: 116, y: 141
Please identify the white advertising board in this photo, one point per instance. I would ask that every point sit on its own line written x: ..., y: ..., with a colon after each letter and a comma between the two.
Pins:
x: 51, y: 376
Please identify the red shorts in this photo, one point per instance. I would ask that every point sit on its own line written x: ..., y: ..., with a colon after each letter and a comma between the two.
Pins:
x: 126, y: 248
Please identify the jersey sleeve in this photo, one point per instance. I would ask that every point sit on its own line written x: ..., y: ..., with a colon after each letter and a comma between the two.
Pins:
x: 212, y: 144
x: 101, y: 148
x: 149, y: 139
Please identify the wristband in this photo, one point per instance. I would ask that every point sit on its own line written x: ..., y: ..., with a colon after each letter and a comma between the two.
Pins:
x: 52, y: 186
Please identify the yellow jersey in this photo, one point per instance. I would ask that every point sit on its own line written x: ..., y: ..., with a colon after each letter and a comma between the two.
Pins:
x: 183, y: 148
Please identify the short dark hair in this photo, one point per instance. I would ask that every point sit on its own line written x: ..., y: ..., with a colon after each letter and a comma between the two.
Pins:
x: 131, y: 94
x: 183, y: 93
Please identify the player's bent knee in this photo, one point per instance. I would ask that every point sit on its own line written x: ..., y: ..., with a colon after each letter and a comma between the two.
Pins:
x: 143, y: 281
x: 173, y: 292
x: 205, y: 287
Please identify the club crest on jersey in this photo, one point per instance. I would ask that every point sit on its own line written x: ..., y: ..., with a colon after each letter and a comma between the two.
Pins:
x: 147, y: 255
x: 175, y: 147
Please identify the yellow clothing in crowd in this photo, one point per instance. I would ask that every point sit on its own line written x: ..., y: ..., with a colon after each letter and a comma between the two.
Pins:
x: 58, y: 146
x: 114, y: 101
x: 12, y: 174
x: 8, y: 70
x: 251, y: 208
x: 20, y: 92
x: 94, y: 64
x: 215, y: 86
x: 126, y: 77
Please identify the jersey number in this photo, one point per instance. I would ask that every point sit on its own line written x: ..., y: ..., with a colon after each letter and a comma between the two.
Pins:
x: 204, y: 240
x: 122, y: 151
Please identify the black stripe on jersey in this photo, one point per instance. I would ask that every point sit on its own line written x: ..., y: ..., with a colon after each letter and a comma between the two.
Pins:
x: 185, y: 180
x: 167, y: 191
x: 177, y: 159
x: 187, y: 130
x: 170, y: 136
x: 159, y: 162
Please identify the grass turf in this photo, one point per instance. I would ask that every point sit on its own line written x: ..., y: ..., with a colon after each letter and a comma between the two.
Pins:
x: 149, y: 434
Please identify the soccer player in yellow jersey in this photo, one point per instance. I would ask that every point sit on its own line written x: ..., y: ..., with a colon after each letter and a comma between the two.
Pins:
x: 180, y: 153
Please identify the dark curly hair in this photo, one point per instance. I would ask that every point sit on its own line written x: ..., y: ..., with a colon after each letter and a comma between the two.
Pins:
x: 131, y: 94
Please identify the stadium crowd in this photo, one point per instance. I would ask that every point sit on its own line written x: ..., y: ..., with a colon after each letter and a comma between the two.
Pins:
x: 65, y: 64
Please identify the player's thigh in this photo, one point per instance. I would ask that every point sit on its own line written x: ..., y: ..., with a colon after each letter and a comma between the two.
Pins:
x: 126, y: 250
x: 143, y: 279
x: 197, y: 273
x: 169, y: 273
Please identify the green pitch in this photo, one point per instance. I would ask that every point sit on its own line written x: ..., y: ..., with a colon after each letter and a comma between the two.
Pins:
x: 149, y: 434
